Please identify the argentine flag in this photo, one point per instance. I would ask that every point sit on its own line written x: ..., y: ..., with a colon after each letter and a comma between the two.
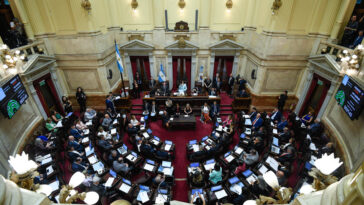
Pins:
x: 118, y: 59
x: 161, y: 75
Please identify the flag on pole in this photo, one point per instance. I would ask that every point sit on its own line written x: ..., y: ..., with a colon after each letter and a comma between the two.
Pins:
x: 161, y: 75
x: 118, y: 59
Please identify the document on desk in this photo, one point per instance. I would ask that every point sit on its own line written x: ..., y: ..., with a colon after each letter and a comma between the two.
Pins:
x: 148, y: 167
x: 115, y: 122
x: 251, y: 179
x: 161, y: 198
x: 209, y: 166
x: 131, y: 157
x: 313, y: 147
x: 98, y: 166
x: 238, y: 150
x: 168, y: 171
x: 85, y: 140
x: 272, y: 163
x: 220, y: 194
x: 59, y: 124
x: 50, y: 170
x: 248, y: 131
x: 146, y: 135
x: 236, y: 188
x: 229, y: 158
x: 89, y: 123
x: 109, y: 182
x: 275, y: 131
x: 54, y: 185
x: 86, y: 132
x: 125, y: 188
x: 89, y: 151
x: 263, y: 169
x: 92, y: 159
x: 272, y: 124
x: 219, y: 128
x: 46, y: 160
x: 167, y: 147
x: 248, y: 121
x: 196, y: 148
x: 113, y: 131
x: 143, y: 196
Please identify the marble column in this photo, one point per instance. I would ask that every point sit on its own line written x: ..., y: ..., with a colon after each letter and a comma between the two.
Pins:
x: 236, y: 63
x: 37, y: 100
x: 158, y: 14
x: 305, y: 89
x: 54, y: 76
x: 170, y: 70
x: 212, y: 61
x: 129, y: 70
x: 327, y: 99
x: 205, y: 14
x: 193, y: 69
x: 24, y: 19
x: 344, y: 9
x: 152, y: 66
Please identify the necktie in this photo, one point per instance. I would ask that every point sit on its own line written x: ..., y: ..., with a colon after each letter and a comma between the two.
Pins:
x: 255, y: 121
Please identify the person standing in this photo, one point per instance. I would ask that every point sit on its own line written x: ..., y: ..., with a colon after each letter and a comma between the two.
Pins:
x: 282, y: 100
x: 231, y: 84
x: 139, y: 81
x: 109, y: 103
x: 81, y: 99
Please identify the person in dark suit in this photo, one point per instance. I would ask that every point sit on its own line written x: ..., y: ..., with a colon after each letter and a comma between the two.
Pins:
x: 73, y: 154
x: 164, y: 89
x: 286, y: 156
x: 81, y: 99
x: 285, y: 135
x: 276, y: 115
x: 215, y: 110
x: 217, y: 85
x: 136, y: 89
x: 243, y: 94
x: 165, y: 119
x: 98, y: 188
x: 104, y: 144
x: 253, y: 114
x: 139, y: 81
x: 282, y: 100
x: 241, y: 83
x: 257, y: 144
x: 109, y: 103
x: 207, y: 84
x: 146, y: 108
x: 258, y: 121
x: 79, y: 166
x: 153, y: 110
x: 152, y: 84
x: 75, y: 132
x: 131, y: 130
x: 75, y: 144
x: 114, y: 155
x: 230, y: 83
x: 283, y: 123
x: 214, y: 80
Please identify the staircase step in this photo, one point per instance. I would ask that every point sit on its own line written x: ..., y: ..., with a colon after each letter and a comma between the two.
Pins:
x: 226, y: 109
x: 225, y: 105
x: 133, y: 108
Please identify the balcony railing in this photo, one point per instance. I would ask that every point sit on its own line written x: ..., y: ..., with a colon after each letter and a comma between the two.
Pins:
x: 36, y: 47
x: 335, y: 50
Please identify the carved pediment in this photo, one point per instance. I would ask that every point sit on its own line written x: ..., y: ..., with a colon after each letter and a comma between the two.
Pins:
x: 227, y: 44
x: 181, y: 43
x: 36, y: 63
x: 136, y: 45
x: 326, y: 63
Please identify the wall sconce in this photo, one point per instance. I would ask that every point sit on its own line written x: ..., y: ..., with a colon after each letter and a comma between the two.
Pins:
x: 351, y: 61
x: 276, y: 5
x: 134, y: 5
x: 86, y: 4
x: 9, y: 59
x: 181, y: 4
x: 229, y: 5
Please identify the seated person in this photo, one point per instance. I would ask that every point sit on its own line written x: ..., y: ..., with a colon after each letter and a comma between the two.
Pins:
x: 101, y: 131
x: 243, y: 94
x: 107, y: 122
x: 104, y: 144
x: 169, y: 106
x: 260, y: 133
x: 213, y: 92
x: 134, y: 121
x: 114, y: 155
x: 177, y: 110
x: 241, y: 167
x: 138, y: 143
x: 182, y: 88
x: 75, y: 132
x: 315, y: 128
x: 253, y: 114
x: 249, y: 158
x: 55, y: 116
x: 215, y: 175
x: 73, y: 154
x: 196, y: 90
x: 51, y: 126
x: 75, y: 144
x: 164, y: 89
x: 188, y: 109
x: 258, y: 121
x: 282, y: 180
x: 205, y: 113
x: 276, y: 115
x: 197, y: 179
x: 79, y: 166
x: 288, y: 155
x: 215, y: 110
x: 290, y: 143
x: 44, y: 146
x: 80, y: 125
x: 165, y: 119
x: 111, y: 114
x: 131, y: 130
x: 327, y: 149
x: 120, y: 166
x: 159, y: 180
x: 153, y: 109
x: 97, y: 187
x: 257, y: 144
x: 227, y: 122
x: 283, y: 123
x: 307, y: 119
x: 241, y: 198
x: 89, y: 114
x: 146, y: 108
x: 285, y: 135
x: 199, y: 201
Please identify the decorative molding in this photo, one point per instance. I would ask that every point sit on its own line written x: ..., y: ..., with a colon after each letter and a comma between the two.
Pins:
x: 139, y: 37
x: 227, y: 36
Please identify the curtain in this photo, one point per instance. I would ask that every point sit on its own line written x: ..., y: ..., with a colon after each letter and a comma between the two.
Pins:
x: 54, y: 93
x: 147, y: 67
x: 41, y: 98
x: 323, y: 95
x: 229, y: 61
x: 308, y: 94
x: 188, y: 73
x: 216, y: 65
x: 134, y: 66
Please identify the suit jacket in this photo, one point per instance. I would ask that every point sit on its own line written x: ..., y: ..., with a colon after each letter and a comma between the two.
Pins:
x: 132, y: 130
x: 253, y: 115
x: 78, y: 167
x: 73, y: 156
x: 215, y: 110
x: 164, y: 88
x: 285, y: 157
x: 251, y: 159
x: 110, y: 104
x: 258, y: 123
x: 281, y: 125
x: 76, y: 145
x: 146, y: 107
x: 104, y: 144
x: 276, y: 116
x: 151, y: 108
x: 231, y: 81
x: 282, y: 99
x: 165, y: 118
x: 75, y: 133
x: 242, y: 84
x: 152, y: 83
x: 120, y: 167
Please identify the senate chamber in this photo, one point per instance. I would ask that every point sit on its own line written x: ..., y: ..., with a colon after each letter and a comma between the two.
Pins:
x: 207, y: 102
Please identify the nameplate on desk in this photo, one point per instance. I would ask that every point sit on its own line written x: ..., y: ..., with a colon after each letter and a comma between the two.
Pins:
x: 161, y: 198
x: 212, y: 96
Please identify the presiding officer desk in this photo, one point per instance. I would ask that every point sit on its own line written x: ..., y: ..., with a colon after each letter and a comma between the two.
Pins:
x: 196, y: 101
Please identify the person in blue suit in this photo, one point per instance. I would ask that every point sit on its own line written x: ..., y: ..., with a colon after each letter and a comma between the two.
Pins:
x: 276, y: 115
x: 75, y: 132
x: 76, y: 145
x: 215, y: 110
x: 109, y: 103
x: 79, y: 166
x: 253, y: 114
x: 258, y: 121
x: 283, y: 123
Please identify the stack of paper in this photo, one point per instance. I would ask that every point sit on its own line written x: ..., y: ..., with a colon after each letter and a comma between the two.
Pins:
x: 92, y: 159
x: 220, y: 194
x: 143, y: 196
x: 125, y: 188
x: 168, y: 171
x: 209, y: 166
x: 229, y: 158
x: 109, y: 182
x: 167, y: 147
x: 251, y: 179
x: 98, y: 166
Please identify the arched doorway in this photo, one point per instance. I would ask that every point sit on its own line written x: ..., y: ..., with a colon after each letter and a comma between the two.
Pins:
x: 181, y: 71
x: 141, y: 65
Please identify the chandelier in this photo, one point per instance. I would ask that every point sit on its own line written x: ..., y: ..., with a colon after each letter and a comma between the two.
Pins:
x: 351, y: 60
x: 10, y: 59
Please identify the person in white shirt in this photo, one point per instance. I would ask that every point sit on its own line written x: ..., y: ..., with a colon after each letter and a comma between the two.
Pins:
x: 89, y: 114
x: 182, y: 88
x: 134, y: 121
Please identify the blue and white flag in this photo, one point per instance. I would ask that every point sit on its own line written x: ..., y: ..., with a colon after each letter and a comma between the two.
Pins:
x: 118, y: 59
x: 161, y: 75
